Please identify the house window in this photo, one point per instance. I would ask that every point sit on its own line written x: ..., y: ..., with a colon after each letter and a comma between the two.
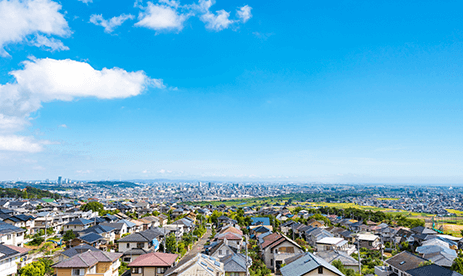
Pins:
x: 137, y: 270
x: 78, y: 272
x: 127, y: 260
x: 140, y: 245
x: 320, y: 270
x: 220, y: 252
x: 8, y: 237
x: 161, y: 270
x: 128, y: 245
x: 271, y: 262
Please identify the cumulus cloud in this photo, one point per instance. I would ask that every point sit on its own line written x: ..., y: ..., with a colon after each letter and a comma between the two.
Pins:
x: 86, y: 1
x: 51, y: 43
x: 19, y: 19
x: 163, y: 16
x: 19, y: 143
x: 244, y: 13
x: 218, y: 21
x: 170, y: 15
x: 111, y: 24
x: 44, y: 80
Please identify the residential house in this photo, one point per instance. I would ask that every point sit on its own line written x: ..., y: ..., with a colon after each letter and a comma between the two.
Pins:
x: 22, y: 221
x: 399, y: 264
x: 198, y: 265
x: 306, y: 264
x: 10, y: 258
x: 221, y: 249
x: 11, y: 235
x: 369, y: 241
x: 89, y: 263
x: 235, y: 264
x: 338, y: 244
x: 120, y: 228
x: 432, y: 270
x: 78, y: 224
x: 316, y: 223
x: 146, y: 240
x: 260, y: 221
x: 276, y: 248
x: 71, y: 252
x: 345, y: 258
x: 152, y: 264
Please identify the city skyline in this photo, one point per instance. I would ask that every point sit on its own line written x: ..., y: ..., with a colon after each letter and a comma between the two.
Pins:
x: 342, y: 92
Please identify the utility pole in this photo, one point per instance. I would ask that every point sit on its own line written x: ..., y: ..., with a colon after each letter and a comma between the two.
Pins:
x: 358, y: 251
x: 164, y: 240
x: 247, y: 265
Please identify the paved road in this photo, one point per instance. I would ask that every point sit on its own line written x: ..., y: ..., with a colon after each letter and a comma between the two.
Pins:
x: 197, y: 248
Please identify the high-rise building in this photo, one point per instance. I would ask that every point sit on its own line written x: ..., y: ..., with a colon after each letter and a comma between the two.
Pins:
x: 59, y: 180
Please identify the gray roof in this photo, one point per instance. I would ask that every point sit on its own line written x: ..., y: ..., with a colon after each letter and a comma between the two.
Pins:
x: 88, y: 259
x: 432, y: 270
x: 306, y: 263
x: 332, y: 255
x: 405, y: 261
x: 6, y: 228
x: 6, y: 252
x: 81, y: 248
x: 91, y: 238
x: 234, y: 263
x: 98, y: 229
x: 79, y: 221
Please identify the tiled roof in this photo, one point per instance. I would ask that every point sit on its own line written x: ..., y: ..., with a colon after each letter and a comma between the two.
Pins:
x: 405, y: 261
x: 6, y: 228
x: 88, y: 259
x: 306, y: 263
x: 154, y: 259
x: 81, y: 248
x: 271, y: 239
x: 91, y: 238
x: 432, y: 270
x: 80, y: 221
x: 6, y: 252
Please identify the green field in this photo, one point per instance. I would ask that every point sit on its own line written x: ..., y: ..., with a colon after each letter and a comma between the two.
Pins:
x: 387, y: 198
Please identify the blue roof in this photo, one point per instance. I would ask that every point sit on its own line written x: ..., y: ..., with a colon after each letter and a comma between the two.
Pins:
x: 79, y: 221
x: 260, y: 220
x: 8, y: 228
x: 128, y: 223
x: 91, y: 238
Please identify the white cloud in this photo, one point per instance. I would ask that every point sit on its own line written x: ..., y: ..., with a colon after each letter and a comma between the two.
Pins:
x: 169, y: 15
x: 19, y: 143
x: 244, y: 13
x: 53, y: 44
x: 19, y: 19
x: 111, y: 24
x: 161, y: 17
x: 218, y: 21
x: 63, y: 126
x: 44, y: 80
x: 86, y: 1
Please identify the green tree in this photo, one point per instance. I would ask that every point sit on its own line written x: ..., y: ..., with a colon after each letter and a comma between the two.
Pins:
x: 69, y: 235
x: 457, y: 264
x: 171, y: 243
x: 93, y: 206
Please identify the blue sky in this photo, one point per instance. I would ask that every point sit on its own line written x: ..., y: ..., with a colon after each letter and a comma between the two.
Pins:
x: 331, y: 91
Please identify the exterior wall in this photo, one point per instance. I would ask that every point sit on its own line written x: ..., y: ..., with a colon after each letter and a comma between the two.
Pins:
x: 63, y: 271
x: 75, y: 227
x: 271, y: 258
x: 325, y: 272
x: 16, y: 239
x: 9, y: 266
x: 148, y: 271
x: 123, y: 246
